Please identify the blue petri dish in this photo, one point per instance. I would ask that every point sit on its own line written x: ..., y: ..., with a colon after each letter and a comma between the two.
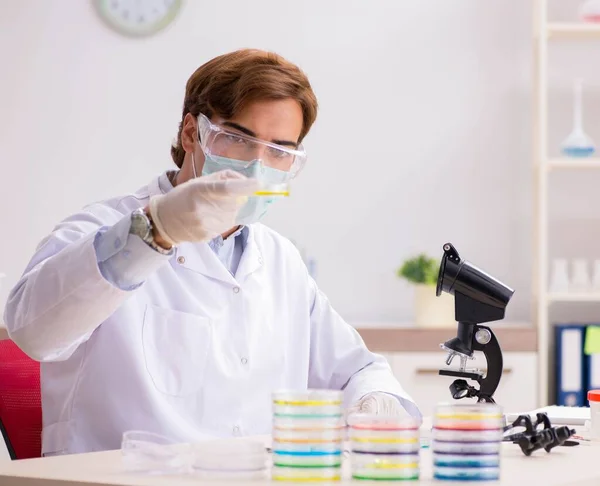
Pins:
x: 466, y: 474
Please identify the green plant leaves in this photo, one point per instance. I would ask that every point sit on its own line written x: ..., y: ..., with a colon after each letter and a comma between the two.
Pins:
x: 421, y: 269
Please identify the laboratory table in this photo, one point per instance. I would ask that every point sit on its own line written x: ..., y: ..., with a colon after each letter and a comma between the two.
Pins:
x: 573, y: 466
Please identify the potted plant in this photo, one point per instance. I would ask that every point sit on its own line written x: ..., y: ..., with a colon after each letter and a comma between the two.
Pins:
x: 430, y: 311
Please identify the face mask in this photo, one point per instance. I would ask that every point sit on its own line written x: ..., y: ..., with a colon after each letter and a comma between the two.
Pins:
x: 256, y: 206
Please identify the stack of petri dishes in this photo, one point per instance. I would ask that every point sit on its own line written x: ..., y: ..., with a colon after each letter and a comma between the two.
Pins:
x: 384, y: 447
x: 307, y: 435
x: 466, y: 442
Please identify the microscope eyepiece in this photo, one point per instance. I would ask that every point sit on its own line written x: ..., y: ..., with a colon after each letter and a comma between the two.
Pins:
x: 479, y: 296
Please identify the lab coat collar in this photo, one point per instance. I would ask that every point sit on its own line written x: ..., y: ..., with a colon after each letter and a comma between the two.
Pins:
x: 200, y: 258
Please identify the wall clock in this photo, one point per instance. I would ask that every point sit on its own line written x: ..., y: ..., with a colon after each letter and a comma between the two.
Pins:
x: 138, y: 18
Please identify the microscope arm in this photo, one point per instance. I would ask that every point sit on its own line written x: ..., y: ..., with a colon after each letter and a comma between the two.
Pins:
x: 485, y: 341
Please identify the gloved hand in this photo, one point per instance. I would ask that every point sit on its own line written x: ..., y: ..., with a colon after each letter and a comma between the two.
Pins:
x: 201, y: 208
x: 379, y: 403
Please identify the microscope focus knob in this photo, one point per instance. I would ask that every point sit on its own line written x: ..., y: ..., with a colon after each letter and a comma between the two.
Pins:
x: 483, y: 336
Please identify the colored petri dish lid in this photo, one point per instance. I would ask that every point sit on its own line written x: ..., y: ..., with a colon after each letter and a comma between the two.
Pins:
x: 469, y: 474
x: 367, y: 434
x: 309, y: 397
x: 382, y: 422
x: 385, y: 448
x: 466, y: 435
x: 314, y: 411
x: 309, y: 422
x: 461, y: 460
x: 473, y: 411
x: 475, y: 448
x: 385, y: 474
x: 306, y: 447
x: 306, y: 474
x: 384, y: 460
x: 455, y: 424
x: 305, y: 435
x: 293, y: 460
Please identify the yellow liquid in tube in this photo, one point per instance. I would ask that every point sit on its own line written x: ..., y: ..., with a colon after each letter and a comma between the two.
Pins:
x: 266, y: 192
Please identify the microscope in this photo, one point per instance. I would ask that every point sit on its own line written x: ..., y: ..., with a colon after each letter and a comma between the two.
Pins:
x: 478, y: 298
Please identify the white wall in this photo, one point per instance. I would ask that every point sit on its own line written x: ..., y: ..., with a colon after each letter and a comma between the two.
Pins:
x: 423, y: 135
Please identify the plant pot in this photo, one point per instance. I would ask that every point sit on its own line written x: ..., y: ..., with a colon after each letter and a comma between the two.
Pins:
x: 433, y: 311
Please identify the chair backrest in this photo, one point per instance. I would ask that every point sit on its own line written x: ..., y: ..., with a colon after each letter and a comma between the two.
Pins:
x: 20, y: 402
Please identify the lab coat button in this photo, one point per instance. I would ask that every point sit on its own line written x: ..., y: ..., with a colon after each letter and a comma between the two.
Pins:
x: 181, y: 260
x: 236, y: 430
x: 244, y: 361
x: 236, y: 290
x: 260, y: 260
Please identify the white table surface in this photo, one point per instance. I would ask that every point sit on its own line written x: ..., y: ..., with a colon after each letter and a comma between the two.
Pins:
x: 573, y: 466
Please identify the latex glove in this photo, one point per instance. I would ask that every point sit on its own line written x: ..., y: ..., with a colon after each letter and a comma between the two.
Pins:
x: 379, y: 403
x: 201, y: 208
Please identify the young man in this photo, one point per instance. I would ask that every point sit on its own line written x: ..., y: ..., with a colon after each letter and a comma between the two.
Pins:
x: 171, y: 310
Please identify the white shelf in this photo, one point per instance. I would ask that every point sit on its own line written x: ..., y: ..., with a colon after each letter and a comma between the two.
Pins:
x: 573, y: 30
x: 573, y: 163
x: 574, y: 297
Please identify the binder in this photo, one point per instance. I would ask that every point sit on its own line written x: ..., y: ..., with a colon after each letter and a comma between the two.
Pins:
x: 571, y: 365
x: 593, y: 366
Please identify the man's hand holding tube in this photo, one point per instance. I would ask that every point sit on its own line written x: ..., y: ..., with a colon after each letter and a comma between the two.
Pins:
x: 202, y: 208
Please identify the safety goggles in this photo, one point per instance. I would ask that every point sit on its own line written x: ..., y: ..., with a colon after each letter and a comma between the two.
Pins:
x: 222, y: 142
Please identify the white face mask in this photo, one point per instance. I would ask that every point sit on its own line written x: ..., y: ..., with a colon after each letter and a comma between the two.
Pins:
x: 256, y: 206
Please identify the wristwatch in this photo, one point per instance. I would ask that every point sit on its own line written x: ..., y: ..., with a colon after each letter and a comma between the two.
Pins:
x: 141, y: 225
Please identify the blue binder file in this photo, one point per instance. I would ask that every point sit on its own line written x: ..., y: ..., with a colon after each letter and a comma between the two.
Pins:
x: 571, y: 365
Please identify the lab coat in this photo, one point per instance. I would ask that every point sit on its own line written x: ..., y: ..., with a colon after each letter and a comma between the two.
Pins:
x: 193, y: 351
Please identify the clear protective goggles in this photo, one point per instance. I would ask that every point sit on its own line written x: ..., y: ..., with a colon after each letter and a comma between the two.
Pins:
x: 222, y: 142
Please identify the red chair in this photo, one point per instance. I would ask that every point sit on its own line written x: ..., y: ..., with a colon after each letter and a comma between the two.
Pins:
x: 20, y: 402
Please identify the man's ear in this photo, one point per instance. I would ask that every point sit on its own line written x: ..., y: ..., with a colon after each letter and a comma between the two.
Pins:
x: 189, y: 133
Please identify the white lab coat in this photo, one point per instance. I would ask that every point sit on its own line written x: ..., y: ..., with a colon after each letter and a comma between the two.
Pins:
x: 193, y: 352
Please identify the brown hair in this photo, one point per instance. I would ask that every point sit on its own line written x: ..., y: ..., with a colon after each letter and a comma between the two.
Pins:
x: 226, y: 84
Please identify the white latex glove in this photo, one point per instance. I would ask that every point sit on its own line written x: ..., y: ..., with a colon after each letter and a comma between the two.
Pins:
x: 201, y: 208
x: 379, y: 403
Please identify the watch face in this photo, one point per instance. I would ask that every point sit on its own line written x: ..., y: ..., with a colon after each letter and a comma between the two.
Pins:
x: 140, y: 225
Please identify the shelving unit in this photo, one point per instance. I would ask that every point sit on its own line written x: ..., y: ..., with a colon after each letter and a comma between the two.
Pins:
x: 571, y: 30
x: 543, y: 32
x: 572, y: 164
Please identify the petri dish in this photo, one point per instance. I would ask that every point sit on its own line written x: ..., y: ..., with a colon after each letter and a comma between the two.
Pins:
x: 444, y: 435
x: 466, y: 460
x: 365, y: 435
x: 386, y: 447
x: 308, y: 422
x: 308, y: 403
x: 468, y: 474
x: 307, y: 435
x: 468, y: 412
x: 380, y: 467
x: 153, y: 453
x: 312, y: 396
x: 390, y: 423
x: 230, y: 455
x: 306, y: 474
x: 306, y: 448
x: 467, y: 447
x: 283, y: 459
